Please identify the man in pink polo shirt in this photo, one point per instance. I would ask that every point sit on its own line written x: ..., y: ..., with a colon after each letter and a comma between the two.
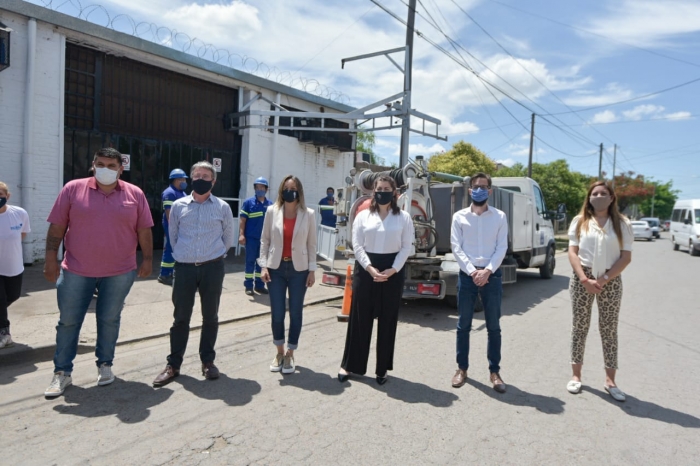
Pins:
x: 100, y: 220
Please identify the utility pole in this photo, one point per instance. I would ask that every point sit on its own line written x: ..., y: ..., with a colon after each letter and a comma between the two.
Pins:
x: 532, y: 140
x: 600, y: 163
x: 406, y: 123
x: 653, y: 198
x: 614, y: 161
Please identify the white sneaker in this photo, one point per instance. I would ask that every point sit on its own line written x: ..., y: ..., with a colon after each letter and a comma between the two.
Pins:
x: 58, y: 384
x: 288, y: 366
x: 6, y: 340
x: 104, y: 375
x: 276, y: 364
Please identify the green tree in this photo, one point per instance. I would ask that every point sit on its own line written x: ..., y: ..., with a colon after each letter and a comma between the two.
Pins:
x: 631, y: 188
x: 663, y: 197
x: 560, y: 185
x: 365, y: 143
x: 462, y: 160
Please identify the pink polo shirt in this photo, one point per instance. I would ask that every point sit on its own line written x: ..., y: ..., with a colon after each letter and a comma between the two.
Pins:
x: 101, y: 237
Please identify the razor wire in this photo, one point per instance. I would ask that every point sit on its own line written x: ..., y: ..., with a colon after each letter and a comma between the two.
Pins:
x: 177, y: 40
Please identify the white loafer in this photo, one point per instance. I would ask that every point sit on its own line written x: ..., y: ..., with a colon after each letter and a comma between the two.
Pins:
x: 573, y: 387
x: 616, y: 393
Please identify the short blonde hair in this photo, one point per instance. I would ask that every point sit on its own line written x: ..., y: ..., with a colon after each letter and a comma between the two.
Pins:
x: 3, y: 187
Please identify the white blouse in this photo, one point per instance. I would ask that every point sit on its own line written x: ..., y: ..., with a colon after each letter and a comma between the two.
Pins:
x: 598, y: 248
x: 394, y: 234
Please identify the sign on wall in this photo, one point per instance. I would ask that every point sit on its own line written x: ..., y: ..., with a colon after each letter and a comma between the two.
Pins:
x: 126, y: 162
x: 217, y: 164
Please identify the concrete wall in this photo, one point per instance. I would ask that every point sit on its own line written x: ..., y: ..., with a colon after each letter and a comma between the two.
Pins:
x: 46, y: 145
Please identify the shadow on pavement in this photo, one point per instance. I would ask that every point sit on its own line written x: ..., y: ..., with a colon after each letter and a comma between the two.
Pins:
x: 233, y: 392
x: 428, y: 313
x: 10, y: 373
x: 517, y: 397
x: 410, y: 392
x: 529, y: 291
x: 130, y: 401
x: 306, y: 379
x: 646, y: 409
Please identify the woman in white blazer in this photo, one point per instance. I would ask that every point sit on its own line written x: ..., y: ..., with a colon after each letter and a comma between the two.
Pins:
x: 288, y: 263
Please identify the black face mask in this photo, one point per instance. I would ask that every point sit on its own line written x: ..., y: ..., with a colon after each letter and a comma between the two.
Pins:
x: 383, y: 197
x: 3, y: 201
x: 201, y: 186
x: 289, y: 195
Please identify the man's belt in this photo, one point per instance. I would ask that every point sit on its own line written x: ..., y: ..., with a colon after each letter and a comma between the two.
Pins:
x: 197, y: 264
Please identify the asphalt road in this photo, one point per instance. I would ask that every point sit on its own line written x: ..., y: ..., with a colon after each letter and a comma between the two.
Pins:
x: 252, y: 416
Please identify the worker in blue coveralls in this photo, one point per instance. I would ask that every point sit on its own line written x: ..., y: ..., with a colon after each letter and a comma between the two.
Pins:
x: 176, y: 190
x: 326, y: 206
x: 251, y: 224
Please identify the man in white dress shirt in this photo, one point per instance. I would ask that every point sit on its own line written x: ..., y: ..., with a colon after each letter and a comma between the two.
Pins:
x: 479, y: 243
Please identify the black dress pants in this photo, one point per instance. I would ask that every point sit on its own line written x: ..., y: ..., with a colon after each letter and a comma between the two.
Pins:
x: 372, y: 299
x: 208, y: 279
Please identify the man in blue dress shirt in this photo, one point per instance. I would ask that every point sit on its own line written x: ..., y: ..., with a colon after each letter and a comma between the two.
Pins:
x: 201, y: 233
x: 175, y: 191
x: 326, y: 206
x: 251, y: 220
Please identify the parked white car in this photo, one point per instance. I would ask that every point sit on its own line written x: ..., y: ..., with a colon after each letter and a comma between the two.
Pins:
x: 642, y: 230
x: 655, y: 225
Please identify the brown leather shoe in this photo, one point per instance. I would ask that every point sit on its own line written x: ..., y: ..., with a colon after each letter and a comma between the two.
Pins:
x: 165, y: 377
x: 209, y: 371
x: 460, y: 378
x: 498, y: 384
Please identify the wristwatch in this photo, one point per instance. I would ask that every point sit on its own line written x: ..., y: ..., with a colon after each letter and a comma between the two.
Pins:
x: 606, y: 277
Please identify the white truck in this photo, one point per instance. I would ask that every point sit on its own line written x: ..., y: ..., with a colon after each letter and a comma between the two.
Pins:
x: 431, y: 271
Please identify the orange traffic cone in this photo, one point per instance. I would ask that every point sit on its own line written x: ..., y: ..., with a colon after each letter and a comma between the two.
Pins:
x: 344, y: 315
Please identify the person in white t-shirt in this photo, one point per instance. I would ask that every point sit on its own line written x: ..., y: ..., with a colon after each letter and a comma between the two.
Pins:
x: 382, y: 240
x: 600, y: 247
x: 14, y: 226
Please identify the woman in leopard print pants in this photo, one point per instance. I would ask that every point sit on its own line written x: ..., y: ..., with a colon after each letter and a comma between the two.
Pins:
x: 600, y: 247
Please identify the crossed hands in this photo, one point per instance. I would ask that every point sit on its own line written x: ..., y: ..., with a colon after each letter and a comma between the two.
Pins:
x: 380, y: 276
x: 481, y: 277
x: 593, y: 286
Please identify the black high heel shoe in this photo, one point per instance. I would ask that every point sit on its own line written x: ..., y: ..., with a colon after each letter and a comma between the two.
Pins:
x: 343, y: 377
x: 382, y: 380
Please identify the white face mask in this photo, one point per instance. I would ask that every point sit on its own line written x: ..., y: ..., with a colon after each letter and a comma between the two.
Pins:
x: 105, y: 175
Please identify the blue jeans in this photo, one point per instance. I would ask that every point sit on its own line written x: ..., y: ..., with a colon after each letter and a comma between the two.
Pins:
x: 282, y: 279
x: 491, y: 294
x: 74, y: 294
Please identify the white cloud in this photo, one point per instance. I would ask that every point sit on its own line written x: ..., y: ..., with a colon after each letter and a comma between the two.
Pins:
x: 607, y: 116
x: 642, y: 111
x: 678, y: 116
x: 507, y: 162
x: 422, y: 149
x: 648, y: 23
x: 611, y: 93
x: 217, y: 22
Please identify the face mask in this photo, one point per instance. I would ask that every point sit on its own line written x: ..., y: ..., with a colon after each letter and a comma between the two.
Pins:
x: 260, y: 193
x: 3, y: 201
x: 106, y: 176
x: 329, y: 195
x: 480, y: 195
x: 183, y: 185
x: 289, y: 196
x: 201, y: 186
x: 600, y: 202
x: 383, y: 197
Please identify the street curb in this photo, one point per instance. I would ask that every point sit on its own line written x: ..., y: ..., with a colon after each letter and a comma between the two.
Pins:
x: 43, y: 353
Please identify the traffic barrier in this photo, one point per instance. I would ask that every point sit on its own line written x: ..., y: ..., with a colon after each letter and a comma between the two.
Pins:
x: 344, y: 314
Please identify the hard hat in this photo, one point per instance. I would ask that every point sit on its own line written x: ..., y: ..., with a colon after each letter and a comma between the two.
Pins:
x: 178, y: 173
x: 262, y: 181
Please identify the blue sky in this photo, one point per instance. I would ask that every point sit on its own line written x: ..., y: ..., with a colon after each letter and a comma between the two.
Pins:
x: 555, y: 58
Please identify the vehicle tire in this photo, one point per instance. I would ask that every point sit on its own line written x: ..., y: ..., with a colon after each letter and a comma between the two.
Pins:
x: 651, y: 238
x: 675, y: 246
x: 693, y: 251
x: 547, y: 269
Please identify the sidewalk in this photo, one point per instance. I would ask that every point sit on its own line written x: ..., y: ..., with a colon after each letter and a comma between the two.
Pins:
x: 148, y: 311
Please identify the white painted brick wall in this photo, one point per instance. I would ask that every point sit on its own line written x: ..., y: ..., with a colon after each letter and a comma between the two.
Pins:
x: 46, y: 153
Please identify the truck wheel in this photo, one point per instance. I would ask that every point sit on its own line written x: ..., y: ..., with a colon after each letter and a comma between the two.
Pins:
x: 693, y: 251
x: 675, y: 246
x: 547, y: 269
